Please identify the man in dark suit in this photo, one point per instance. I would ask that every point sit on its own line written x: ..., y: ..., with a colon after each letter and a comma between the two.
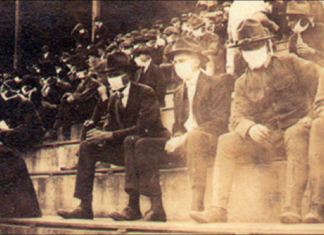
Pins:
x: 101, y: 33
x: 46, y: 63
x: 133, y: 114
x: 149, y: 73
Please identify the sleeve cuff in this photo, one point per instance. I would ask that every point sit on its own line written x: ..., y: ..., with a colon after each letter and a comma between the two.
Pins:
x: 243, y: 128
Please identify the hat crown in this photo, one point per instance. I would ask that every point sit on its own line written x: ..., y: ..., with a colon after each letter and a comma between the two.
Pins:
x: 117, y: 60
x: 196, y: 21
x: 171, y: 30
x: 298, y: 8
x: 250, y: 29
x: 187, y: 44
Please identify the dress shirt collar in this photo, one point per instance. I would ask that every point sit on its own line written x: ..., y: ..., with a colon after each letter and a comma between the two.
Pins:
x: 146, y: 65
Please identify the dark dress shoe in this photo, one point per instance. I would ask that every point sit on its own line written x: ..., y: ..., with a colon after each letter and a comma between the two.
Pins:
x: 155, y: 216
x: 213, y: 215
x: 78, y: 213
x: 127, y: 214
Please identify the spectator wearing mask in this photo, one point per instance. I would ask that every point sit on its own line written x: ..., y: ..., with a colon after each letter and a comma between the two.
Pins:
x: 307, y: 40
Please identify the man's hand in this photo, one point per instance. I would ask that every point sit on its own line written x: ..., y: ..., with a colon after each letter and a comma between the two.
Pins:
x: 260, y: 133
x: 174, y: 143
x: 102, y: 90
x: 70, y: 99
x: 304, y: 50
x: 87, y: 123
x: 98, y: 136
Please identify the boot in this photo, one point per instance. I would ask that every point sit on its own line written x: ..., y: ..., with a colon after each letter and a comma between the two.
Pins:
x: 156, y: 213
x: 290, y: 216
x: 315, y: 214
x: 212, y: 215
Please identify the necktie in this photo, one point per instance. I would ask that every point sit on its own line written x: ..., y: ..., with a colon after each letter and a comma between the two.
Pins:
x: 119, y: 108
x: 186, y: 107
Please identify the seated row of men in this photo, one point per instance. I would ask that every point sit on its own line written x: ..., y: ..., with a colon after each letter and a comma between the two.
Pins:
x: 272, y: 114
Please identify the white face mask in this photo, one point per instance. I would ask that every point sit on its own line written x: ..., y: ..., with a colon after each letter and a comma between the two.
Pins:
x: 256, y: 58
x: 139, y: 62
x: 116, y: 83
x: 298, y: 28
x: 184, y: 70
x: 198, y: 33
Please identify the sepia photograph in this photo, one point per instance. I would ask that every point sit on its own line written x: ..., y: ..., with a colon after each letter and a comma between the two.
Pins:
x: 162, y: 117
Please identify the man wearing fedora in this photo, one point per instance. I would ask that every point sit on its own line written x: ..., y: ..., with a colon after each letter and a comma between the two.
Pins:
x: 133, y: 114
x: 201, y: 109
x: 210, y: 45
x: 149, y: 73
x: 307, y: 41
x: 270, y: 118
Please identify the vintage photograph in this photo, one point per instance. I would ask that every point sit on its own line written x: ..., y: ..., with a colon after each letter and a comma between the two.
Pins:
x: 162, y: 117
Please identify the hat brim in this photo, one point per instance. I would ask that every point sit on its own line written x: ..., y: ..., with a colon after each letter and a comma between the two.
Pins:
x: 251, y: 40
x: 293, y: 13
x: 126, y: 68
x: 204, y: 59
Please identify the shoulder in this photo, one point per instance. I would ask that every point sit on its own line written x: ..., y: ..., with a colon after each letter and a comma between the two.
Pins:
x: 142, y: 88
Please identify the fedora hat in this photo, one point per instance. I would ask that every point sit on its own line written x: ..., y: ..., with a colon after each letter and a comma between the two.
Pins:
x: 250, y: 31
x: 142, y: 50
x: 196, y: 22
x: 118, y: 61
x: 171, y: 30
x: 187, y: 45
x: 297, y: 8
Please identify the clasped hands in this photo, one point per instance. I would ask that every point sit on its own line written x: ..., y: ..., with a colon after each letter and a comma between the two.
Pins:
x: 174, y: 143
x: 96, y: 136
x: 260, y: 134
x: 304, y: 50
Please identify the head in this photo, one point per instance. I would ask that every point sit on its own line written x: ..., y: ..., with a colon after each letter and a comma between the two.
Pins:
x: 254, y: 43
x: 127, y: 48
x: 298, y: 15
x: 118, y: 70
x: 198, y: 26
x: 98, y: 21
x: 45, y: 49
x: 187, y: 58
x: 142, y: 56
x: 82, y: 74
x: 171, y: 34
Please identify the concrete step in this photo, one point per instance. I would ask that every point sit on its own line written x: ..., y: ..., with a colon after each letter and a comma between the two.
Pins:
x: 56, y: 225
x: 258, y: 193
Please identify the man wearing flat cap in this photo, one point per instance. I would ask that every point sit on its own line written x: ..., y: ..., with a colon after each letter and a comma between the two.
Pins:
x: 202, y: 110
x: 210, y: 45
x: 307, y: 41
x: 133, y: 117
x: 149, y: 73
x: 270, y: 118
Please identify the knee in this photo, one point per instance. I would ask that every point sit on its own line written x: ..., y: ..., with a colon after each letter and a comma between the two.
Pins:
x: 196, y: 136
x: 298, y: 130
x: 318, y: 127
x: 141, y: 147
x: 229, y: 139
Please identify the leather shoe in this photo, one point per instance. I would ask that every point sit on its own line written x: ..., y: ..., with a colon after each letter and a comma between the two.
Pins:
x: 78, y: 213
x: 290, y: 216
x: 212, y: 215
x: 127, y: 214
x: 315, y: 215
x: 155, y: 216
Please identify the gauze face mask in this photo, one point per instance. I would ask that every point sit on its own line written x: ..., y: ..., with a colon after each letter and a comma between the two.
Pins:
x: 256, y: 58
x: 198, y: 33
x: 184, y: 70
x: 139, y: 62
x: 299, y: 28
x: 116, y: 83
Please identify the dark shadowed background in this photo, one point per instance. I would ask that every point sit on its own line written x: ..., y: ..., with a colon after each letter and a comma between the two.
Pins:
x: 51, y: 22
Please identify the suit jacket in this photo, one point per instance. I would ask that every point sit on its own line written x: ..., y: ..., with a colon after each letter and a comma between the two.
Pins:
x: 277, y: 96
x: 47, y: 66
x: 313, y: 37
x: 211, y: 105
x: 153, y: 77
x: 140, y: 117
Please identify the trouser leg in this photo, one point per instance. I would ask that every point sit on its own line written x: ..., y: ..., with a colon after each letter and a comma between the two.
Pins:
x: 89, y: 154
x: 296, y: 146
x: 230, y: 147
x: 316, y: 162
x: 200, y: 150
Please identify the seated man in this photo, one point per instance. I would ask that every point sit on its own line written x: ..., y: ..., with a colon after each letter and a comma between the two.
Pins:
x: 270, y: 117
x: 201, y: 115
x: 77, y: 106
x: 307, y: 41
x: 133, y: 113
x: 149, y: 73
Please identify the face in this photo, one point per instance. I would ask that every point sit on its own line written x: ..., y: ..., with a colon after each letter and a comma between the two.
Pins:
x: 117, y: 79
x: 170, y: 38
x: 128, y: 51
x: 81, y: 74
x: 198, y: 32
x: 176, y: 24
x: 186, y: 64
x: 255, y: 56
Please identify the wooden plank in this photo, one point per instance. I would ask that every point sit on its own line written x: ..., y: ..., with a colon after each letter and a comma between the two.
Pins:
x: 169, y: 227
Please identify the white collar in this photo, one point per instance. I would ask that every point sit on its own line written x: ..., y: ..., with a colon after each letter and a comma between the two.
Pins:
x: 147, y: 64
x: 193, y: 80
x: 126, y: 90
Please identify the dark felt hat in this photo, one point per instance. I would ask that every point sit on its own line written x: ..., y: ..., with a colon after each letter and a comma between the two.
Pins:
x: 174, y: 20
x: 187, y: 45
x: 196, y: 22
x: 142, y: 50
x: 118, y: 61
x: 250, y: 31
x: 171, y: 30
